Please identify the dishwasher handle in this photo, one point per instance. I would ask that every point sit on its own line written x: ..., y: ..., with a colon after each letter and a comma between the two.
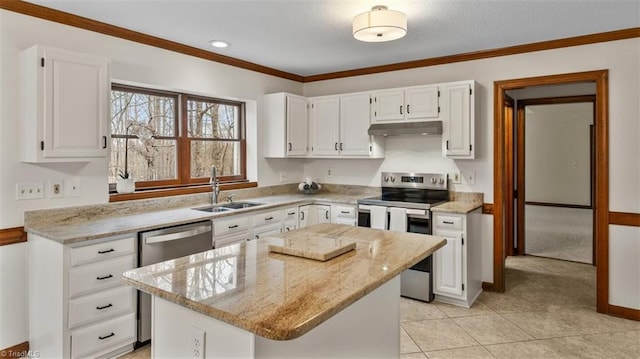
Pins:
x: 204, y: 228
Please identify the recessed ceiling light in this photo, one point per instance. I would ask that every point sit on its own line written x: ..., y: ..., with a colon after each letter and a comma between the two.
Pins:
x: 219, y: 43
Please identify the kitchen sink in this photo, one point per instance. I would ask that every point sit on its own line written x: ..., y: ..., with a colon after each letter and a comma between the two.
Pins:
x: 229, y: 206
x: 239, y: 205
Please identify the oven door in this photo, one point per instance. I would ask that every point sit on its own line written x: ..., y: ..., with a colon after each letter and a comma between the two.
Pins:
x: 418, y: 221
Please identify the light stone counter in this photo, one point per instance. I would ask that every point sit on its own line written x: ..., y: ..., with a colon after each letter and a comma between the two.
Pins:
x: 278, y: 296
x: 76, y: 224
x: 457, y: 207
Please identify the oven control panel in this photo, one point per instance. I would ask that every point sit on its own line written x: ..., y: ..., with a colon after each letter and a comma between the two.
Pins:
x: 414, y: 180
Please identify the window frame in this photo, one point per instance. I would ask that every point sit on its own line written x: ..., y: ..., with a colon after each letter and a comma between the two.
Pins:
x: 183, y: 141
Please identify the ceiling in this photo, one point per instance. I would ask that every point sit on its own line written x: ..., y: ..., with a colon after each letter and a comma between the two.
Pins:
x: 310, y: 37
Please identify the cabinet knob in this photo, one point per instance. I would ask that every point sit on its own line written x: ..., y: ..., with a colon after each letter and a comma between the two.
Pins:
x: 289, y: 144
x: 401, y: 109
x: 336, y: 146
x: 104, y: 141
x: 408, y: 108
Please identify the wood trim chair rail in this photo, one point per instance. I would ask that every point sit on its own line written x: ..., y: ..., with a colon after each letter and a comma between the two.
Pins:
x: 12, y: 236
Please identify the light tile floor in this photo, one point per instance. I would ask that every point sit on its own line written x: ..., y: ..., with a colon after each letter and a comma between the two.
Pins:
x: 547, y: 311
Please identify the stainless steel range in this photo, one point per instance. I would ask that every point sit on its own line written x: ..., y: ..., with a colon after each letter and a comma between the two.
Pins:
x: 404, y: 206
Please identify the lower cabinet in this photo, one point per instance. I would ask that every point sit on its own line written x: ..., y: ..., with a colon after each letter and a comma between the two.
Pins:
x: 290, y: 220
x: 78, y: 306
x: 456, y: 266
x: 344, y: 214
x: 231, y: 230
x: 313, y: 214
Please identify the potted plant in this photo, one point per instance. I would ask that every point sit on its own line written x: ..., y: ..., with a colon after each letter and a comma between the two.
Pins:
x: 125, y: 183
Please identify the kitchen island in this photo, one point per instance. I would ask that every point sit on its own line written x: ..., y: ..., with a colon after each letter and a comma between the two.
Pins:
x: 248, y: 302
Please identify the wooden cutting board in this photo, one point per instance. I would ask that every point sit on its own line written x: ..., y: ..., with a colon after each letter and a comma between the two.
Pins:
x: 318, y: 247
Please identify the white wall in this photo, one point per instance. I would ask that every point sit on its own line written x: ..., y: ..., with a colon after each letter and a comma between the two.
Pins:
x: 558, y: 153
x: 130, y: 62
x: 621, y: 58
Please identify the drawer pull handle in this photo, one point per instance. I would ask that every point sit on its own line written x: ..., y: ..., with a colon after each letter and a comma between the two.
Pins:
x: 234, y: 226
x: 105, y: 277
x: 344, y: 212
x: 268, y: 218
x: 291, y: 213
x: 107, y: 251
x: 105, y: 307
x: 107, y: 336
x: 447, y: 222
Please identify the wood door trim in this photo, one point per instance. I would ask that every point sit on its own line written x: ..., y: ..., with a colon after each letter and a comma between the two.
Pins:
x: 487, y: 208
x: 601, y: 201
x: 622, y: 312
x: 65, y: 18
x: 12, y: 236
x: 624, y: 219
x: 520, y: 177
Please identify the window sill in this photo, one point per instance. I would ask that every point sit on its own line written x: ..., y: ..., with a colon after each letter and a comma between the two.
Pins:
x: 166, y: 192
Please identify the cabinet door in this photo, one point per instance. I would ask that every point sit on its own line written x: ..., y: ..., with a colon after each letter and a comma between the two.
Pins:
x: 457, y: 117
x: 297, y: 120
x: 448, y: 265
x: 304, y: 217
x: 322, y: 213
x: 265, y: 231
x: 76, y: 90
x: 388, y: 106
x: 421, y: 103
x: 325, y: 119
x: 354, y: 124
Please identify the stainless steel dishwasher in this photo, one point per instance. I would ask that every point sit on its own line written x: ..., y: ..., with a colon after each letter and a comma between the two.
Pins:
x: 164, y: 244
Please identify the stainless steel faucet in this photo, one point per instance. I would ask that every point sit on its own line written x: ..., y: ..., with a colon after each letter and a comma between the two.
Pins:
x: 213, y: 181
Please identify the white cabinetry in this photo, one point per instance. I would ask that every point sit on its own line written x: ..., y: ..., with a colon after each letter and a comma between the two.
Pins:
x: 458, y: 114
x: 231, y: 230
x: 78, y: 306
x: 456, y: 266
x: 314, y: 214
x: 290, y: 220
x: 267, y: 223
x: 339, y: 127
x: 343, y: 214
x: 405, y: 104
x: 285, y: 126
x: 64, y: 105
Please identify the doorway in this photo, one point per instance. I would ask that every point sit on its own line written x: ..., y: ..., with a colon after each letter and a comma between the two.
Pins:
x: 504, y: 175
x: 554, y: 178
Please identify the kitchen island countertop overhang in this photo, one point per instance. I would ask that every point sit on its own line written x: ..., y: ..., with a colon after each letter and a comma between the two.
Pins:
x: 282, y: 297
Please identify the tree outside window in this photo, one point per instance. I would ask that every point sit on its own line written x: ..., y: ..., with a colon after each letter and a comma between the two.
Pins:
x: 166, y: 147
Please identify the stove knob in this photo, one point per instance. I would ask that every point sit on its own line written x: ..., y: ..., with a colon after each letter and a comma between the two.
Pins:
x: 433, y: 180
x: 393, y: 179
x: 386, y: 179
x: 441, y: 180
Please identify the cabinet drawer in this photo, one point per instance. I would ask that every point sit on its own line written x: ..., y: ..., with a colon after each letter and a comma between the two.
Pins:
x: 345, y: 212
x: 96, y: 276
x: 267, y: 218
x: 106, y: 335
x: 290, y: 214
x: 102, y: 251
x: 230, y: 225
x: 101, y: 305
x: 448, y: 222
x: 233, y: 238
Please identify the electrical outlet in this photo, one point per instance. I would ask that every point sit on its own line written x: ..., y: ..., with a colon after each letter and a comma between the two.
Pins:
x: 56, y: 189
x: 197, y: 342
x: 469, y: 177
x: 456, y: 177
x: 329, y: 172
x: 73, y: 187
x: 29, y: 191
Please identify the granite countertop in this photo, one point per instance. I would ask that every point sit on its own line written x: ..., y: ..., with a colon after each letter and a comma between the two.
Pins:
x: 278, y: 296
x: 93, y: 222
x: 461, y: 207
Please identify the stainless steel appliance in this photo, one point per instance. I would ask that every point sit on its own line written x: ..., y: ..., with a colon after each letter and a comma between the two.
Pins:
x: 164, y: 244
x: 405, y: 206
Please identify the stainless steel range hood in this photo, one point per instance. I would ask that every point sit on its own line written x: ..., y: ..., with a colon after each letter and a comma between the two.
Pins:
x: 409, y: 128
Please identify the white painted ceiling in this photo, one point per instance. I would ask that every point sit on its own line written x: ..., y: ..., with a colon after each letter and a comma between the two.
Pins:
x: 309, y: 37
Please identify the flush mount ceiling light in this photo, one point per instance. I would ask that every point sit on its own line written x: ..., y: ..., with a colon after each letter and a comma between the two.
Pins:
x: 219, y: 43
x: 380, y: 24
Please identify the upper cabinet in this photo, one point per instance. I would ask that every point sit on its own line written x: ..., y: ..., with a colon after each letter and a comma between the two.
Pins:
x: 286, y: 125
x: 407, y: 104
x: 458, y: 125
x: 339, y: 127
x: 64, y: 105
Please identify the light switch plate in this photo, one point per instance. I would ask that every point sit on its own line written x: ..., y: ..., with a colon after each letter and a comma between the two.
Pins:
x: 469, y: 177
x: 56, y: 189
x: 29, y: 190
x: 456, y: 177
x: 73, y: 187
